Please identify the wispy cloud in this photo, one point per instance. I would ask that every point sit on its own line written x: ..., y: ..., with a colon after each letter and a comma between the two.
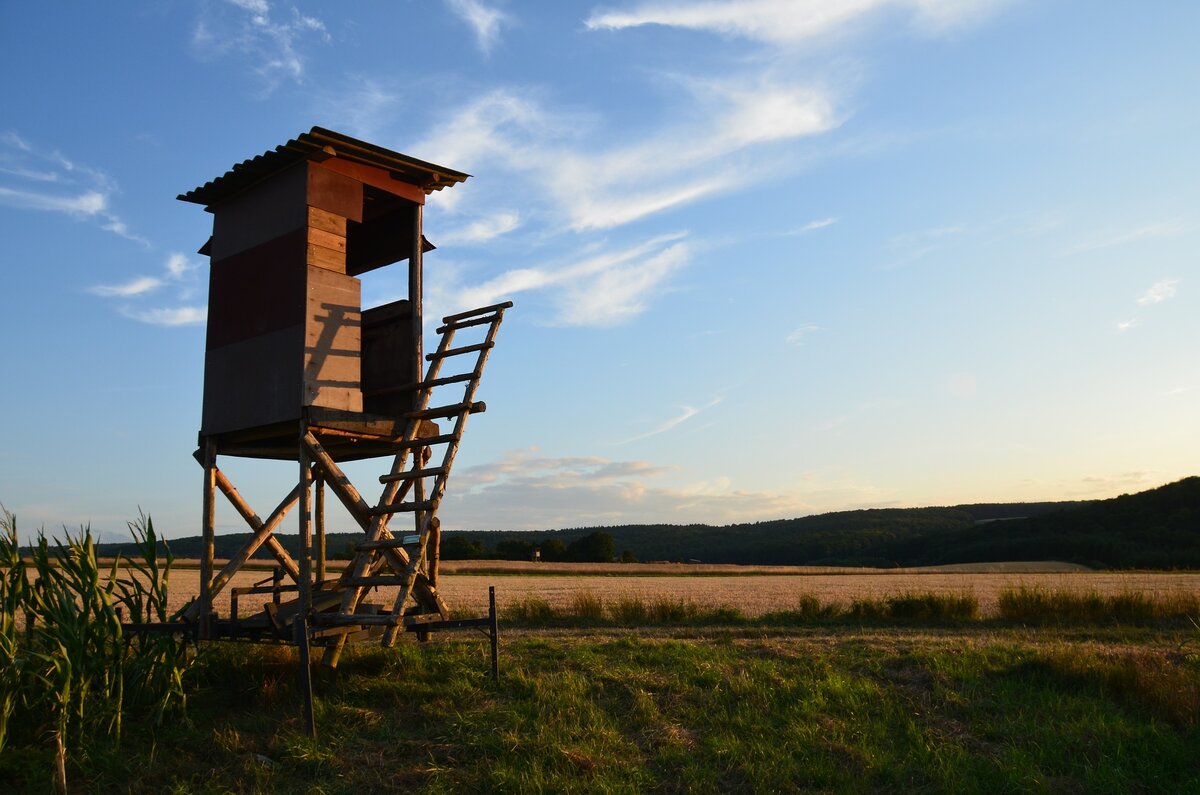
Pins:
x: 605, y: 186
x: 526, y: 491
x: 1158, y: 292
x: 484, y: 21
x: 48, y: 181
x: 137, y: 286
x: 685, y: 414
x: 177, y: 272
x: 602, y: 290
x: 482, y: 230
x: 1162, y: 290
x: 800, y: 333
x: 272, y: 45
x: 1126, y: 325
x: 1146, y: 232
x: 167, y: 316
x: 811, y: 226
x: 785, y: 22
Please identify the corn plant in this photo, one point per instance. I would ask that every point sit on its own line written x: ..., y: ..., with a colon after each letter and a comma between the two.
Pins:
x: 73, y: 673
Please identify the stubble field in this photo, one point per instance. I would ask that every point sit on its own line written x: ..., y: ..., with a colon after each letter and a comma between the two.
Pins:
x: 750, y: 590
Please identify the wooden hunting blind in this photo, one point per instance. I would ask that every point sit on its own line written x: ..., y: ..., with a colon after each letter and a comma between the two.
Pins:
x: 296, y: 370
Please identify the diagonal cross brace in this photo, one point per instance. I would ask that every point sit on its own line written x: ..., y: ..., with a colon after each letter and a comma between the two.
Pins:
x: 263, y: 533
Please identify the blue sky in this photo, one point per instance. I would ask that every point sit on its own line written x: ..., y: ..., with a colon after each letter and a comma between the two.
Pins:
x: 768, y: 258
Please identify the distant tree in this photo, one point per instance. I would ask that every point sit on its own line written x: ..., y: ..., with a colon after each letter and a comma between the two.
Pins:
x: 514, y: 550
x: 595, y: 548
x: 553, y: 549
x: 459, y: 547
x: 628, y: 557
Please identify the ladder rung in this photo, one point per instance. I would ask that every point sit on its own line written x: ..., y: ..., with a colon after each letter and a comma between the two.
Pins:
x: 447, y: 411
x: 401, y: 507
x: 430, y: 384
x: 461, y: 324
x: 412, y: 474
x: 426, y: 441
x: 482, y: 346
x: 480, y: 311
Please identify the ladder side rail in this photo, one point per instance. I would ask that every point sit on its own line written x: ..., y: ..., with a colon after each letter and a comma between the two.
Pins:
x: 440, y: 481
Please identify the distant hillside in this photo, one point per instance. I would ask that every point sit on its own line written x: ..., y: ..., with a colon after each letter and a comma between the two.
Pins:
x: 1159, y: 528
x: 1156, y: 529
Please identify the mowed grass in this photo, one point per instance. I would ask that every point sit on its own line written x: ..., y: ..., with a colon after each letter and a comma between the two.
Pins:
x: 690, y: 709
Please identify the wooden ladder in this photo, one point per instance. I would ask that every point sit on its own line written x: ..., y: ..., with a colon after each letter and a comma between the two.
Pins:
x: 405, y: 555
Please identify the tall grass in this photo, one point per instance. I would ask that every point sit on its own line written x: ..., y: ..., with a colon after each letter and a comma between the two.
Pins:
x: 72, y: 674
x: 1042, y: 606
x: 1024, y: 605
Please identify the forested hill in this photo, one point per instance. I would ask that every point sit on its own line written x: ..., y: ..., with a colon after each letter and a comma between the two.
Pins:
x: 1159, y: 528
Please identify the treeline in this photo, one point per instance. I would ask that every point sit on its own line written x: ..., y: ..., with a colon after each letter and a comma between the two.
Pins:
x: 1159, y: 528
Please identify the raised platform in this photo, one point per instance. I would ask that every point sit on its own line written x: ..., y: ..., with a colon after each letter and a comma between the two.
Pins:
x: 345, y: 435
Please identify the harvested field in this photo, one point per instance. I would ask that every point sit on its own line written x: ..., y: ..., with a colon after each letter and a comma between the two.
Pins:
x: 752, y: 595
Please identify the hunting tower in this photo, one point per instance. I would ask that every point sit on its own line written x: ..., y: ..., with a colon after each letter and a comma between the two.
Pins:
x: 295, y: 370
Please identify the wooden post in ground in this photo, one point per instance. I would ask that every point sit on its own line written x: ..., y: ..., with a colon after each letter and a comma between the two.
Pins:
x: 494, y: 628
x: 300, y: 627
x: 305, y: 523
x: 319, y: 521
x: 209, y: 530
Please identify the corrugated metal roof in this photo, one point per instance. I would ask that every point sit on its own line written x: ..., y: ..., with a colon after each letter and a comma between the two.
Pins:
x: 320, y: 142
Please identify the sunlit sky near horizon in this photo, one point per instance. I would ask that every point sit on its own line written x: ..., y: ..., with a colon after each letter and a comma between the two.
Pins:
x: 768, y: 258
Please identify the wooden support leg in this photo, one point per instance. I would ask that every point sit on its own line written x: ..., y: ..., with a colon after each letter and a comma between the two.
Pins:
x: 305, y: 526
x: 319, y: 521
x: 209, y: 529
x: 306, y: 687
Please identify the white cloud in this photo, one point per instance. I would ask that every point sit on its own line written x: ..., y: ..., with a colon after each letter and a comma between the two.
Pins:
x: 484, y: 21
x: 360, y: 106
x: 273, y: 46
x: 178, y: 265
x: 785, y: 22
x: 168, y: 316
x: 1158, y: 292
x: 177, y: 271
x: 483, y: 229
x: 59, y: 185
x: 799, y: 334
x: 811, y: 226
x: 1147, y: 232
x: 685, y: 414
x: 598, y: 291
x: 138, y: 286
x: 530, y: 492
x: 1126, y: 325
x: 609, y: 186
x: 618, y: 294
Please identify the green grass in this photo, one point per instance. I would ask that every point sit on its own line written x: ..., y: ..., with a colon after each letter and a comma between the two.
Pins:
x: 703, y: 710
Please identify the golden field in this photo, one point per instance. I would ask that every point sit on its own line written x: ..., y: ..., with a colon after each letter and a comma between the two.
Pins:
x: 752, y: 590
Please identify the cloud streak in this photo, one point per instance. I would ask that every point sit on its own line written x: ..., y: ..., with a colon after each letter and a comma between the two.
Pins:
x: 177, y: 271
x: 602, y: 290
x: 272, y: 46
x: 685, y: 413
x: 526, y: 491
x: 786, y: 23
x: 484, y: 21
x: 1158, y: 292
x: 47, y: 181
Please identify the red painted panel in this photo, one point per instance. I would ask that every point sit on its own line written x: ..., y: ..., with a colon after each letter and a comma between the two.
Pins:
x: 258, y: 290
